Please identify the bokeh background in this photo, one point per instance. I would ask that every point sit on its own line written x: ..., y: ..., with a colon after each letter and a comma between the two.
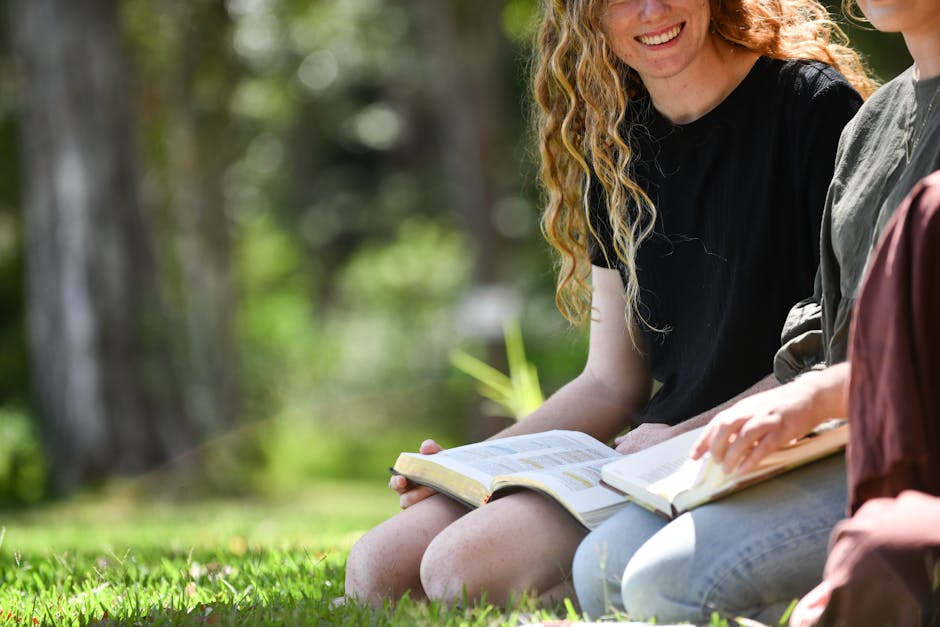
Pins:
x: 239, y: 240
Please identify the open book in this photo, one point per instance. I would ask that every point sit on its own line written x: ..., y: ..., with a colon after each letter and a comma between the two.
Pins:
x: 565, y: 465
x: 663, y: 479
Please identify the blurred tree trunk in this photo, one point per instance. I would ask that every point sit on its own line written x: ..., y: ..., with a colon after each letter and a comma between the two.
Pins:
x: 101, y: 373
x: 196, y: 96
x: 471, y: 52
x: 472, y: 57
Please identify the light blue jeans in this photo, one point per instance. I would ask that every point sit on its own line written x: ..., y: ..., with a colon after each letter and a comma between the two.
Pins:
x: 749, y: 554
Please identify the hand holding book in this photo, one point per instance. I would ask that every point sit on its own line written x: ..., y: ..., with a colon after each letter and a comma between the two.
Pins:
x: 410, y: 493
x: 563, y: 465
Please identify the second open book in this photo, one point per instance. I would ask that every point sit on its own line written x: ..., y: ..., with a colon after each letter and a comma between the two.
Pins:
x: 664, y: 479
x: 568, y: 466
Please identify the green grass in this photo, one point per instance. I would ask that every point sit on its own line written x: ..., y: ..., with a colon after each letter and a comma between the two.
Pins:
x: 126, y: 560
x: 121, y: 560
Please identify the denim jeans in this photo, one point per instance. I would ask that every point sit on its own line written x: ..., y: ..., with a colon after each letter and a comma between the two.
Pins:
x: 750, y: 554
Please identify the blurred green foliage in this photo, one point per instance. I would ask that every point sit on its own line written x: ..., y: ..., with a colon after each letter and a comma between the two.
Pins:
x: 23, y: 469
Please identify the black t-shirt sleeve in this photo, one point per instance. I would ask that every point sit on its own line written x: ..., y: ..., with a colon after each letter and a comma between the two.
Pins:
x: 816, y: 127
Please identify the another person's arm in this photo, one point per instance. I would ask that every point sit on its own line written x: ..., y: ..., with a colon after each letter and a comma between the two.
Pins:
x: 745, y: 433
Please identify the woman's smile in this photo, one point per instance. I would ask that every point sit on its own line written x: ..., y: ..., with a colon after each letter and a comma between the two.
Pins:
x: 660, y: 37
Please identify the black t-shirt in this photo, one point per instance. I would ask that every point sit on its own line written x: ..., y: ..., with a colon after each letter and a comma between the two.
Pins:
x: 739, y: 195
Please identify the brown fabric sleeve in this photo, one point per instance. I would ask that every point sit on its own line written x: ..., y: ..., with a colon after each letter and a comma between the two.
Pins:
x: 894, y: 389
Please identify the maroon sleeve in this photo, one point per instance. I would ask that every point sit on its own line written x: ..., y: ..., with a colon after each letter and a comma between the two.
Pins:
x: 894, y: 390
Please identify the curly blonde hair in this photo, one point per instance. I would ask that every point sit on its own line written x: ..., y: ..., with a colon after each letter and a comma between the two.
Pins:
x: 583, y: 91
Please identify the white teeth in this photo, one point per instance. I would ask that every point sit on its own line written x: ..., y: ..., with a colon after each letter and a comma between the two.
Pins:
x: 662, y: 38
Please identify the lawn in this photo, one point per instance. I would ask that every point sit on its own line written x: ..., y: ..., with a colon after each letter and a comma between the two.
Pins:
x: 126, y: 559
x: 123, y: 558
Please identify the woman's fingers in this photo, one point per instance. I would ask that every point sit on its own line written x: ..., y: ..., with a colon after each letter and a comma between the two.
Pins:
x: 703, y: 443
x: 410, y: 493
x: 727, y: 432
x: 745, y: 439
x: 770, y: 442
x: 415, y: 495
x: 398, y: 483
x: 717, y: 436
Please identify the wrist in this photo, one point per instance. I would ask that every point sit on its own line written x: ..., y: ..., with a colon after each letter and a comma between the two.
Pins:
x: 825, y: 391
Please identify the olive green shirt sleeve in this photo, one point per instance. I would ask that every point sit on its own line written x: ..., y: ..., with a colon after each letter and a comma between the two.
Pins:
x: 801, y: 341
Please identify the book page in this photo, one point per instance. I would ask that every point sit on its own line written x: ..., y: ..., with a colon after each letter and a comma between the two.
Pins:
x: 532, y: 452
x: 686, y: 474
x: 656, y: 462
x: 578, y: 486
x: 483, y: 461
x: 665, y: 464
x: 566, y: 465
x: 668, y: 468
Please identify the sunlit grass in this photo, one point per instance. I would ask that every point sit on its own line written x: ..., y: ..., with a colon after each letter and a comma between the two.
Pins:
x: 251, y: 561
x: 257, y: 561
x: 122, y: 559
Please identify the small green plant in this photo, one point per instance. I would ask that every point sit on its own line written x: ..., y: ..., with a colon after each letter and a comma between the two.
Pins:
x: 785, y: 619
x: 517, y: 393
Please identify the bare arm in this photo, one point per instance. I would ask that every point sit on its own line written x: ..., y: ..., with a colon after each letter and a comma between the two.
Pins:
x: 614, y: 384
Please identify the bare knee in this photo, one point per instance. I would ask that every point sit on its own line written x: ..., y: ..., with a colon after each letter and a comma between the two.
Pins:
x: 368, y: 576
x: 456, y: 574
x: 446, y: 575
x: 384, y: 564
x: 521, y: 543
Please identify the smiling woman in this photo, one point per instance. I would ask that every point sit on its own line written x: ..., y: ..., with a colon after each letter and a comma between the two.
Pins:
x: 686, y: 150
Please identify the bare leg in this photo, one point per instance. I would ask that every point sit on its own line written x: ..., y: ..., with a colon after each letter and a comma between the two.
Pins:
x: 385, y: 563
x: 523, y: 542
